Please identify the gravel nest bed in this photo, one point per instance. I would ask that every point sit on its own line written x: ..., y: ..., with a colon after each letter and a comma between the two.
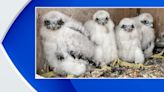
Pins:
x: 155, y: 71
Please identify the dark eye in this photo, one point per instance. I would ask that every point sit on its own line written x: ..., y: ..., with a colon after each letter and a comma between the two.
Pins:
x: 97, y: 19
x: 47, y: 22
x: 132, y: 26
x: 123, y: 26
x: 106, y: 18
x: 60, y: 57
x: 144, y: 22
x: 60, y: 22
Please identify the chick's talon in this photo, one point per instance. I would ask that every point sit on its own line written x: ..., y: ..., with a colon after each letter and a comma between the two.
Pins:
x: 132, y: 65
x: 126, y: 64
x: 116, y: 62
x: 140, y: 66
x: 159, y: 55
x: 106, y: 67
x: 49, y: 74
x: 70, y: 76
x: 122, y: 63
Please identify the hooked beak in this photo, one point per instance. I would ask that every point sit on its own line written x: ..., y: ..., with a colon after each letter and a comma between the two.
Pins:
x: 150, y: 25
x: 129, y: 29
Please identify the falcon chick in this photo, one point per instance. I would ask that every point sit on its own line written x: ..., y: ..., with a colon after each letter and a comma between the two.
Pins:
x: 145, y: 26
x: 65, y: 44
x: 101, y: 30
x: 128, y: 41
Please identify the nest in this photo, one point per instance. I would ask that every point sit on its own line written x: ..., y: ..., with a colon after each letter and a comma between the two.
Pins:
x: 153, y: 68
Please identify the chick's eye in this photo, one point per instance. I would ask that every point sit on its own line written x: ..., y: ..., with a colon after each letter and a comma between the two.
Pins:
x: 123, y: 26
x: 144, y: 21
x: 106, y: 18
x: 47, y: 22
x: 132, y: 26
x: 97, y: 19
x: 60, y: 22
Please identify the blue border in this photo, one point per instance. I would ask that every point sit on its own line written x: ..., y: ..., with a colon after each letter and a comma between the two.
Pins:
x: 20, y: 46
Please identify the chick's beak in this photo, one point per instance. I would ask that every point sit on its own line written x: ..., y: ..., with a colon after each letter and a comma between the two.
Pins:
x: 150, y: 25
